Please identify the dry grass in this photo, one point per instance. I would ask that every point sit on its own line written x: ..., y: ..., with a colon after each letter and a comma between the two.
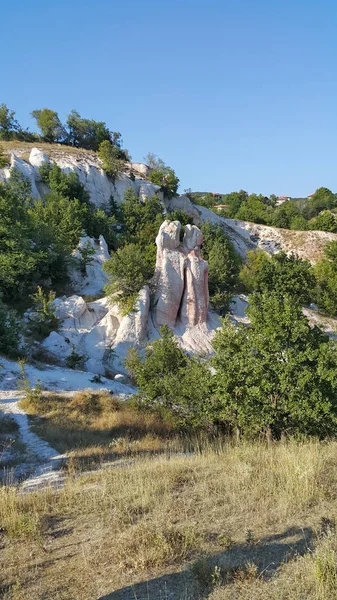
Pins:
x: 93, y: 427
x: 22, y: 149
x: 235, y: 519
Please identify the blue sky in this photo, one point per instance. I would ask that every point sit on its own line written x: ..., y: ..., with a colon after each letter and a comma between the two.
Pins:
x: 231, y: 93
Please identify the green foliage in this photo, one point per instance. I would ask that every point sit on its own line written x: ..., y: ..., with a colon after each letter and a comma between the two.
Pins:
x: 110, y: 157
x: 75, y: 360
x: 162, y: 175
x: 9, y: 126
x: 129, y: 271
x: 326, y: 280
x: 285, y: 214
x: 37, y: 237
x: 89, y: 134
x: 140, y: 222
x: 9, y: 331
x: 169, y: 380
x: 234, y: 201
x: 224, y: 264
x: 277, y: 376
x: 4, y: 159
x: 49, y: 124
x: 325, y: 221
x: 42, y: 320
x: 323, y: 199
x: 64, y: 184
x: 33, y: 396
x: 278, y: 273
x: 255, y: 209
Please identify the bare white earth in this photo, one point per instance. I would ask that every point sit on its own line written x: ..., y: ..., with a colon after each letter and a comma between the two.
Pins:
x: 41, y: 467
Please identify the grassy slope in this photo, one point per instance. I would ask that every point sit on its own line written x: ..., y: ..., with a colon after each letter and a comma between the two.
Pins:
x: 94, y: 427
x: 238, y: 518
x: 23, y: 149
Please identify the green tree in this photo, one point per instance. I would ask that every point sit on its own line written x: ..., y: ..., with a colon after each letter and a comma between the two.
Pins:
x: 254, y: 209
x: 87, y: 133
x: 49, y: 124
x: 326, y: 280
x: 279, y: 273
x: 162, y: 175
x: 170, y: 380
x: 223, y: 264
x: 234, y: 201
x: 9, y: 126
x: 109, y: 155
x: 272, y: 377
x: 285, y: 214
x: 323, y: 199
x: 42, y: 318
x: 65, y: 184
x: 9, y: 331
x: 129, y: 271
x: 4, y: 160
x: 325, y: 221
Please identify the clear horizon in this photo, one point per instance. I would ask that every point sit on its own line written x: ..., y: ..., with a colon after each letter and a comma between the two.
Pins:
x: 231, y: 95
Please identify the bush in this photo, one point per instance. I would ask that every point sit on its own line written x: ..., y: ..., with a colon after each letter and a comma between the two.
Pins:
x: 9, y: 331
x: 129, y: 271
x: 110, y: 157
x: 162, y: 175
x: 42, y: 320
x: 223, y: 263
x: 279, y: 273
x: 171, y: 381
x: 326, y: 280
x: 75, y: 360
x: 277, y: 376
x: 49, y: 124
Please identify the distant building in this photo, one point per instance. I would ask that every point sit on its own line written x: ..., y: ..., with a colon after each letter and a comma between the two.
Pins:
x: 310, y: 195
x: 221, y: 206
x: 282, y: 199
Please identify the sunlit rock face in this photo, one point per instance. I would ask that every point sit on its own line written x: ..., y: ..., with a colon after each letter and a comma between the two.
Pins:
x: 181, y: 277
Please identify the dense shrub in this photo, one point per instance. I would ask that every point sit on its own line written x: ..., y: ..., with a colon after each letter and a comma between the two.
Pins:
x: 224, y: 264
x: 129, y: 271
x: 278, y: 273
x: 278, y: 375
x: 9, y: 331
x: 326, y: 280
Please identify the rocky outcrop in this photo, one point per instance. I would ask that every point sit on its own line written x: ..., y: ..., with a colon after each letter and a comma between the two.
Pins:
x: 102, y: 335
x: 184, y: 203
x: 91, y: 175
x: 87, y: 276
x: 169, y: 276
x: 181, y: 277
x: 194, y: 308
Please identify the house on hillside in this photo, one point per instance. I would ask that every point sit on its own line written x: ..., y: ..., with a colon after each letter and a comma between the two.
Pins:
x: 310, y: 196
x: 282, y: 199
x: 221, y: 206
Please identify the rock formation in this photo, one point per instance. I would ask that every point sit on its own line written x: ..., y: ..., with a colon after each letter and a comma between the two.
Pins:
x: 181, y: 277
x: 88, y: 168
x: 95, y: 329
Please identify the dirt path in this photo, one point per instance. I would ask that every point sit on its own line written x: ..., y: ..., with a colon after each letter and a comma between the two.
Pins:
x: 41, y: 467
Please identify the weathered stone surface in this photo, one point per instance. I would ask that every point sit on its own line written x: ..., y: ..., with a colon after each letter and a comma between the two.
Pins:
x: 92, y: 280
x: 169, y: 276
x: 194, y: 307
x: 37, y: 158
x: 181, y: 277
x: 72, y: 307
x: 184, y: 203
